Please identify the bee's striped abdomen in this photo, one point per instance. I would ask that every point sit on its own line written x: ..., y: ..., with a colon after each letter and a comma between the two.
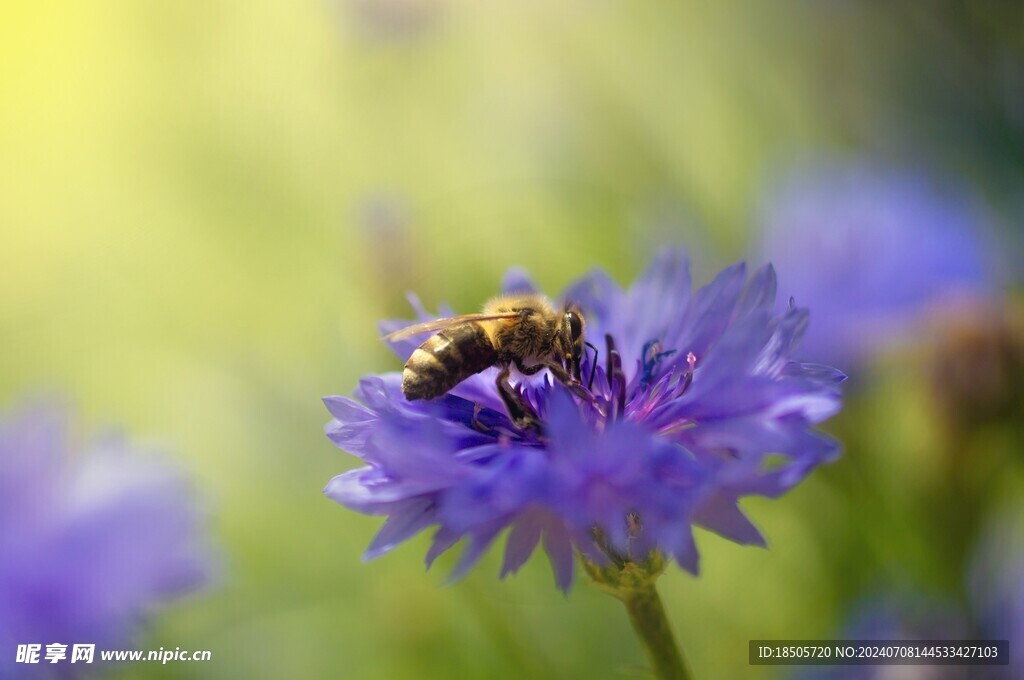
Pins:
x: 446, y: 359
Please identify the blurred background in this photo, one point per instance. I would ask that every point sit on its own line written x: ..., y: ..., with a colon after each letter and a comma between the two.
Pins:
x: 206, y: 207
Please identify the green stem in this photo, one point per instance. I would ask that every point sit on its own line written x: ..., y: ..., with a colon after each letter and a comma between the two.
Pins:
x: 651, y: 625
x: 632, y: 581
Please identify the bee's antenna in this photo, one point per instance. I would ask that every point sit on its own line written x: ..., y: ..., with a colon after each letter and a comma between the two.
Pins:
x: 593, y: 366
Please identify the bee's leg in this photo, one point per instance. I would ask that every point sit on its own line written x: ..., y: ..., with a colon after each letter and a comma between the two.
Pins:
x: 556, y: 370
x: 530, y: 370
x: 475, y: 422
x: 519, y: 410
x: 562, y: 376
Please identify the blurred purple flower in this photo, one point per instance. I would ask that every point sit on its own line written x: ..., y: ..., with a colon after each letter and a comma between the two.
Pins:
x: 995, y: 582
x: 697, y: 404
x: 995, y: 611
x: 899, y: 615
x: 869, y: 250
x: 91, y: 539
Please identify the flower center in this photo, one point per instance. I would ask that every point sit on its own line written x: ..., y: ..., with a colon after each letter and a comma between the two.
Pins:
x: 616, y: 378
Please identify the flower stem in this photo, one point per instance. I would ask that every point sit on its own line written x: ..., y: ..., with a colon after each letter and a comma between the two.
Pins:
x: 632, y: 581
x: 651, y: 625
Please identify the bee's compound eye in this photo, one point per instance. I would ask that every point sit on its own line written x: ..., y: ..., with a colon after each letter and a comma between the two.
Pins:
x: 575, y: 324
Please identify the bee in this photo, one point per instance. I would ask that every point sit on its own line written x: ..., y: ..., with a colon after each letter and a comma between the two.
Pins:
x: 523, y: 330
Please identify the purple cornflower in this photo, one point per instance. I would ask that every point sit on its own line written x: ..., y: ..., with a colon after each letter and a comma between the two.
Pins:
x: 693, y: 404
x: 995, y: 583
x: 92, y: 538
x: 898, y: 615
x: 991, y: 608
x: 870, y: 250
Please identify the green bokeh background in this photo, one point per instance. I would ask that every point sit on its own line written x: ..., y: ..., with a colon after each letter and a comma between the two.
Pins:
x: 206, y: 207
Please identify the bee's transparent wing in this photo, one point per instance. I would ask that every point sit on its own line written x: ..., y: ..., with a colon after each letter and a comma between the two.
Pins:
x: 440, y: 324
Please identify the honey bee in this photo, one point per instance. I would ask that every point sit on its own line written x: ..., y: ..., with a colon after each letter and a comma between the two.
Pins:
x: 523, y: 330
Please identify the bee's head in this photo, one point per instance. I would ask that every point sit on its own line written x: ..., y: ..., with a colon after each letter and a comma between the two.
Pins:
x: 570, y: 338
